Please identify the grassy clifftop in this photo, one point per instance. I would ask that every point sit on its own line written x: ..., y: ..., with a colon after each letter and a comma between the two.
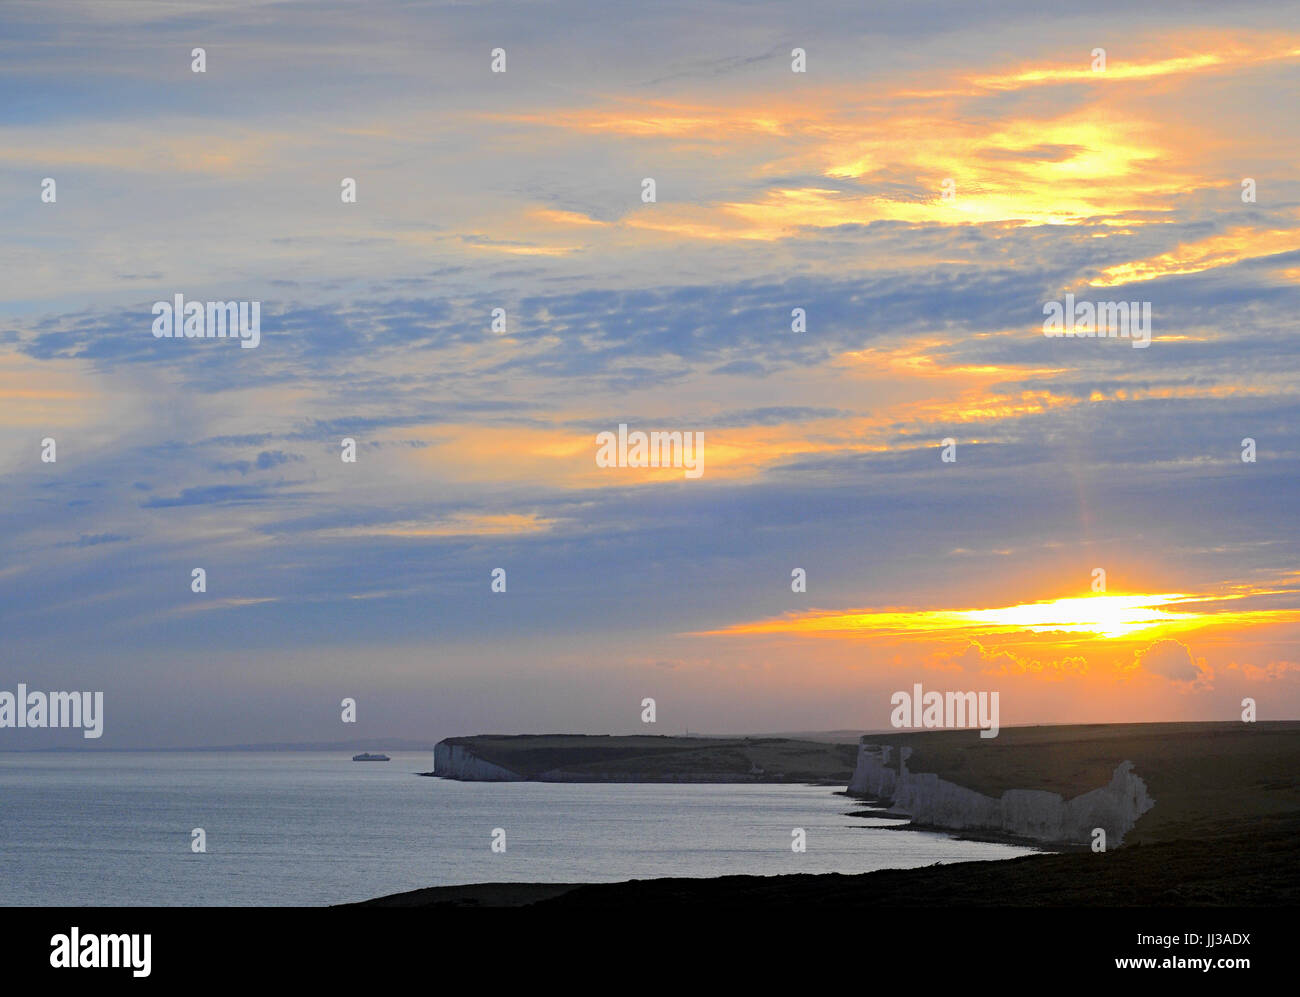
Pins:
x: 577, y: 758
x: 1206, y: 778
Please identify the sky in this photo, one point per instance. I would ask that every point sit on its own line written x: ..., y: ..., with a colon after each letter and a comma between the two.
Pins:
x: 935, y: 176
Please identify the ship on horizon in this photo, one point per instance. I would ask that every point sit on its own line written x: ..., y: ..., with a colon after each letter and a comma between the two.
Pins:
x: 367, y: 756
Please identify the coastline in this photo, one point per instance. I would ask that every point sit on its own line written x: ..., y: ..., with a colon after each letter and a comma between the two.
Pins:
x: 1255, y: 867
x: 1220, y: 826
x: 905, y: 823
x: 634, y: 779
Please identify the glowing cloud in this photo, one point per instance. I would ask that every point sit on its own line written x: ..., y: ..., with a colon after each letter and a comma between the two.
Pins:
x: 1104, y: 616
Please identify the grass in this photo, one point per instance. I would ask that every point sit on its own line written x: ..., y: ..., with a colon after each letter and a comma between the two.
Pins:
x: 573, y: 757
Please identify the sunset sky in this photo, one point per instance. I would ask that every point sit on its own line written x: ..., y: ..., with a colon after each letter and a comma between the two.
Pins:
x: 522, y: 190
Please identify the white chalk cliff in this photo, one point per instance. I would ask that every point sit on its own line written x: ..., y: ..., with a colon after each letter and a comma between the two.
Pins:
x: 454, y: 761
x: 1028, y: 813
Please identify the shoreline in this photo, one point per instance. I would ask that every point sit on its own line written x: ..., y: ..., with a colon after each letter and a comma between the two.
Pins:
x: 1257, y: 865
x: 1220, y: 826
x: 630, y: 779
x: 906, y: 823
x: 525, y: 894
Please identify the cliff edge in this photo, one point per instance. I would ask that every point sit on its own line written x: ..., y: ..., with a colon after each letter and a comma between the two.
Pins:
x: 1036, y: 814
x: 1142, y: 783
x: 641, y: 758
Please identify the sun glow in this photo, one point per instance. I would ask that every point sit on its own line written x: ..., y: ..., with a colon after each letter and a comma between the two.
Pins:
x: 1103, y: 615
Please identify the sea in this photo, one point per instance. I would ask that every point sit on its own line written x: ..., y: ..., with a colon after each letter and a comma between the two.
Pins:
x: 300, y: 828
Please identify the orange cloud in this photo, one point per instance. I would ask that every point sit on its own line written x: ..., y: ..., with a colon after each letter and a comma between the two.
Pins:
x: 975, y: 657
x: 1233, y: 246
x: 1109, y: 161
x: 463, y: 524
x: 1201, y: 53
x: 1173, y: 660
x: 1096, y: 616
x: 1270, y: 672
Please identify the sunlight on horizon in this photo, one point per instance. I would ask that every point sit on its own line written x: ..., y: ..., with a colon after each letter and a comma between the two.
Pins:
x: 1105, y: 616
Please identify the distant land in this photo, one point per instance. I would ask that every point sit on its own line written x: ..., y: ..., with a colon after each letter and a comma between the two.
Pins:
x: 642, y: 758
x: 838, y: 736
x: 1216, y: 810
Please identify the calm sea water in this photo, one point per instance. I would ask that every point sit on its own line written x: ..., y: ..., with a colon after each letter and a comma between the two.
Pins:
x: 310, y: 828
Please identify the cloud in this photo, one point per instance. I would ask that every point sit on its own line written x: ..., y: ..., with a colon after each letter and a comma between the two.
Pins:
x: 266, y: 460
x: 975, y: 657
x: 476, y: 449
x: 460, y: 524
x: 1274, y: 670
x: 95, y: 539
x: 1173, y: 660
x: 222, y: 495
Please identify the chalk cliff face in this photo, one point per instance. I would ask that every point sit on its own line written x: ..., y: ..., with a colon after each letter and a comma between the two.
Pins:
x: 457, y: 761
x: 1028, y: 813
x: 454, y: 761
